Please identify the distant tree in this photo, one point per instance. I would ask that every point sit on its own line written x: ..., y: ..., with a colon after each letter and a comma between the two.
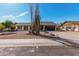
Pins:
x: 1, y: 27
x: 3, y: 23
x: 12, y: 27
x: 8, y: 23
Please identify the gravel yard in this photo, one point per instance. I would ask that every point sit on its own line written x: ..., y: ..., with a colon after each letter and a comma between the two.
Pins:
x: 18, y: 35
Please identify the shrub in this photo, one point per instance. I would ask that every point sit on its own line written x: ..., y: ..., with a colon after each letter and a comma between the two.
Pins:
x: 12, y: 26
x: 1, y: 27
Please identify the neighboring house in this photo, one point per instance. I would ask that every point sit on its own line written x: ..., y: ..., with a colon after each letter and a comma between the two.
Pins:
x: 43, y: 26
x: 69, y: 26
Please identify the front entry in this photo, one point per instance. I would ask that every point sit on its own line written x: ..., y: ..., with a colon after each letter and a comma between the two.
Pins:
x: 50, y: 28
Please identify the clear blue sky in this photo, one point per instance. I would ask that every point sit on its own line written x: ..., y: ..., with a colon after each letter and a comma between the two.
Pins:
x: 55, y: 12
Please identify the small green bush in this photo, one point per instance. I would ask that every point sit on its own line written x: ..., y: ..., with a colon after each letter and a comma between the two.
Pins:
x: 1, y: 27
x: 12, y: 26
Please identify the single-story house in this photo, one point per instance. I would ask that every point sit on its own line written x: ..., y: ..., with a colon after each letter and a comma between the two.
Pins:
x: 43, y: 26
x: 69, y: 26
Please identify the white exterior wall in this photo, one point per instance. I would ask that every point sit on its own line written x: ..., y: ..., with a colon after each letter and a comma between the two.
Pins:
x: 16, y: 27
x: 77, y: 28
x: 22, y: 27
x: 28, y: 27
x: 43, y: 28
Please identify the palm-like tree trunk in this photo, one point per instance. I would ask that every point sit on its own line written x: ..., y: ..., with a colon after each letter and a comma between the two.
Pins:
x: 36, y: 22
x: 31, y: 15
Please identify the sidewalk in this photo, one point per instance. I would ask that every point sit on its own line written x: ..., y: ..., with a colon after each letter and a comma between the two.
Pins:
x: 28, y: 42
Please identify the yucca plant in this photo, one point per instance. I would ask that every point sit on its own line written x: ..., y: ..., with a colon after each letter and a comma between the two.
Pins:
x: 36, y: 22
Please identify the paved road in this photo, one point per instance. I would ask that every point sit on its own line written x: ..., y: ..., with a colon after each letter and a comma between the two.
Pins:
x: 36, y: 47
x: 39, y: 51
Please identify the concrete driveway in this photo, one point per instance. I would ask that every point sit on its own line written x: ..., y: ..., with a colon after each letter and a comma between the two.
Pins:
x: 69, y: 35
